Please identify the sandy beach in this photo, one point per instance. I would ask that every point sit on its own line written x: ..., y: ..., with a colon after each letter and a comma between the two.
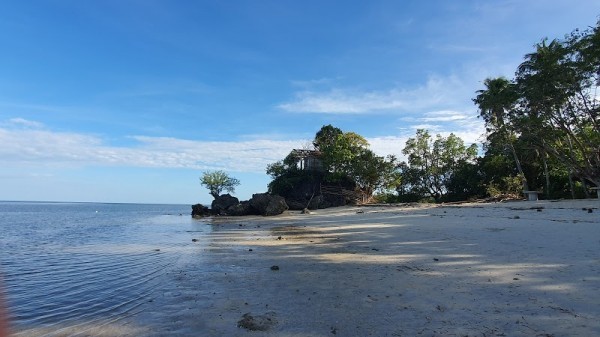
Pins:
x: 494, y: 269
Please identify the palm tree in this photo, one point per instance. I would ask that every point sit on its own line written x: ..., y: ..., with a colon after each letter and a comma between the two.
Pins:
x: 495, y: 102
x: 558, y: 88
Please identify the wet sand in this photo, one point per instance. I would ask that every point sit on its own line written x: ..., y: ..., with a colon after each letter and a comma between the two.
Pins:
x: 501, y: 269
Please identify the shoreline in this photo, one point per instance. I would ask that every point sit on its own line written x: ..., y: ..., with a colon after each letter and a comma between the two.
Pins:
x: 496, y: 269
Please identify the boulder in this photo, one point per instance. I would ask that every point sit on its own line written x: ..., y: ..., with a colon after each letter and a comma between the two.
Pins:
x: 200, y: 210
x: 315, y: 202
x: 222, y: 203
x: 312, y: 202
x: 295, y: 204
x: 240, y: 209
x: 266, y: 204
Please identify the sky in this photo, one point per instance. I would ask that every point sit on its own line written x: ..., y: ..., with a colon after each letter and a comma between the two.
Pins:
x: 131, y: 100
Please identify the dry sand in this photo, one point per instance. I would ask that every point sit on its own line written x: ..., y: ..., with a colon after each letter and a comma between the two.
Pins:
x: 502, y: 269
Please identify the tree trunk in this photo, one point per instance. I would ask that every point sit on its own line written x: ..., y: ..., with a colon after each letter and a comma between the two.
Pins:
x: 519, y: 168
x: 585, y: 189
x: 571, y: 186
x: 547, y: 175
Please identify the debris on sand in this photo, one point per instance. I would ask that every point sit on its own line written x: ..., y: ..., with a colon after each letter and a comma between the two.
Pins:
x: 257, y: 322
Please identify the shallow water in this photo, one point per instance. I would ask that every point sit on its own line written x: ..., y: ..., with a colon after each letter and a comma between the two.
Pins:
x: 87, y: 264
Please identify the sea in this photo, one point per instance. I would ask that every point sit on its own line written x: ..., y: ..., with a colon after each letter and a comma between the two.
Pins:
x: 66, y: 263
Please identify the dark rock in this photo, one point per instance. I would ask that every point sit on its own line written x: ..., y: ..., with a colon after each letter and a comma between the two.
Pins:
x: 257, y: 322
x: 311, y: 191
x: 200, y: 210
x: 276, y: 206
x: 295, y: 204
x: 243, y: 208
x: 222, y: 203
x: 274, y: 267
x: 266, y: 204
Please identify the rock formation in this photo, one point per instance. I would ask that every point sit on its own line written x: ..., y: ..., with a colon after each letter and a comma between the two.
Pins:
x: 260, y: 204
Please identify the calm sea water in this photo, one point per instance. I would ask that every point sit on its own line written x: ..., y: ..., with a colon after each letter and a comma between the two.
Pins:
x: 73, y: 262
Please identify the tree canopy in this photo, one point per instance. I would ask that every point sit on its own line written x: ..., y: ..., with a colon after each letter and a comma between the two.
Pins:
x: 549, y: 114
x: 432, y: 164
x: 217, y: 182
x: 346, y: 158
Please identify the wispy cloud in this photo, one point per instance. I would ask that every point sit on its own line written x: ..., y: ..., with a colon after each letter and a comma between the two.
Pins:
x: 445, y: 116
x: 35, y: 145
x: 466, y: 125
x: 26, y: 146
x: 22, y: 122
x: 436, y: 93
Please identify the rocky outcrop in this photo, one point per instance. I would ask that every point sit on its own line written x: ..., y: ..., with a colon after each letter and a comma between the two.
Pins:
x: 200, y: 210
x: 313, y: 195
x: 267, y: 204
x: 222, y: 204
x: 260, y: 204
x: 240, y: 209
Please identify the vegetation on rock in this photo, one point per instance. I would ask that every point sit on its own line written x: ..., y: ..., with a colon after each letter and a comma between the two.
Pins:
x: 217, y: 182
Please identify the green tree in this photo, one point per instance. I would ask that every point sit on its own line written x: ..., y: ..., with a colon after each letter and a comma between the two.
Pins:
x: 559, y: 85
x: 432, y: 163
x: 287, y: 176
x: 217, y: 182
x: 495, y: 103
x: 326, y: 137
x: 338, y: 150
x: 373, y: 173
x: 498, y: 169
x: 346, y: 161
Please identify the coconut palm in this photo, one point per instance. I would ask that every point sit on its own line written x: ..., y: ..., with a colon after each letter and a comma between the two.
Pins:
x: 495, y: 102
x: 560, y: 103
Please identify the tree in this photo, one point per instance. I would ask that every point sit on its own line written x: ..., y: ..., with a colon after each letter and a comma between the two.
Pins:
x: 217, y: 182
x: 559, y: 85
x: 346, y: 161
x: 372, y: 173
x: 338, y: 150
x: 326, y: 137
x: 550, y: 112
x: 432, y: 163
x: 495, y: 102
x: 498, y: 169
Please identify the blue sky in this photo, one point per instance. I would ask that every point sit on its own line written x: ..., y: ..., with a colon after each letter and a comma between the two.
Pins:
x: 130, y: 101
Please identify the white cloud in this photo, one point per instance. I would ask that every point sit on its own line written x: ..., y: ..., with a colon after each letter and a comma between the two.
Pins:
x: 50, y: 148
x: 437, y: 94
x: 21, y: 122
x: 393, y: 145
x: 38, y: 146
x: 384, y: 146
x: 444, y: 116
